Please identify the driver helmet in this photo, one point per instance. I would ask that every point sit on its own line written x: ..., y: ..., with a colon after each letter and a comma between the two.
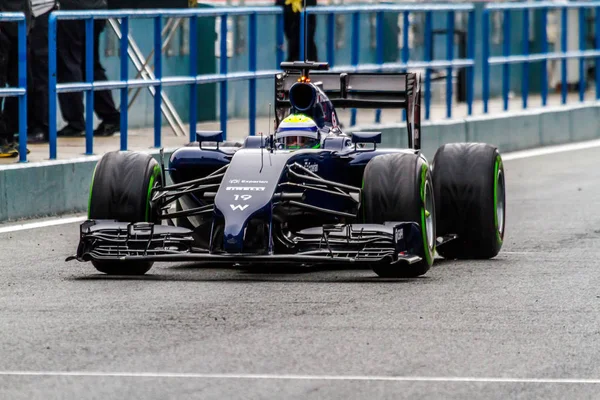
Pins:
x: 298, y: 132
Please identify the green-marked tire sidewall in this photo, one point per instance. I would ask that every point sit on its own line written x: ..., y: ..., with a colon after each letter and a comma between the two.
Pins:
x: 428, y: 253
x: 469, y: 201
x: 498, y: 168
x: 155, y: 174
x: 121, y: 187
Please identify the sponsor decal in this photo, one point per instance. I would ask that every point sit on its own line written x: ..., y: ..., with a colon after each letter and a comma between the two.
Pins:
x: 238, y: 207
x: 246, y: 188
x: 234, y: 181
x: 311, y: 166
x: 399, y: 234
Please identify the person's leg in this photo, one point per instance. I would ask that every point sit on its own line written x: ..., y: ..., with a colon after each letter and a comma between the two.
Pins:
x: 312, y: 45
x: 38, y: 98
x: 11, y: 104
x: 70, y: 51
x: 6, y: 137
x: 5, y: 45
x: 104, y: 105
x: 292, y: 33
x: 10, y: 119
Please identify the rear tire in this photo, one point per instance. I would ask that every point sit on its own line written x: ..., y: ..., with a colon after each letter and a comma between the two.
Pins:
x: 120, y: 190
x: 399, y: 187
x: 470, y: 199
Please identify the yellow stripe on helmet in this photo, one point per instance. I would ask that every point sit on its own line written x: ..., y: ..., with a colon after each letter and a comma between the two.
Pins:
x: 298, y: 118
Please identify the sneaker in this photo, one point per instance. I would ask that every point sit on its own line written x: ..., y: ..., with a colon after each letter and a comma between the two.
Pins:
x: 69, y: 131
x: 8, y: 150
x: 34, y: 136
x: 37, y: 136
x: 107, y: 129
x: 15, y: 145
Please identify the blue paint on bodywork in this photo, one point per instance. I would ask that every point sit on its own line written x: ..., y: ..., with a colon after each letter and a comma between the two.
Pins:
x: 247, y: 191
x: 256, y: 174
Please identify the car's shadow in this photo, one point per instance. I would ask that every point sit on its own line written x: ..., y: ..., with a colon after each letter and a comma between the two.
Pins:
x: 205, y: 272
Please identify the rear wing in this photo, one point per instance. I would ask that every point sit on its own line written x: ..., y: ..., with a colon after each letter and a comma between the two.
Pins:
x: 361, y: 90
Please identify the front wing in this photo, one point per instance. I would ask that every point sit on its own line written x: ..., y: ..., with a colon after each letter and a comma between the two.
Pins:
x: 389, y: 243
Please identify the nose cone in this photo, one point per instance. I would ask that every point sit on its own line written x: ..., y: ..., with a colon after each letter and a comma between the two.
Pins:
x: 246, y: 192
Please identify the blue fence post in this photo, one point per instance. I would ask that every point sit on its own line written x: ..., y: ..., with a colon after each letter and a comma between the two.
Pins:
x: 331, y: 39
x: 597, y: 47
x: 355, y: 56
x: 89, y: 78
x: 428, y: 37
x: 22, y: 78
x: 506, y: 53
x: 194, y: 74
x: 158, y: 74
x: 525, y: 77
x: 582, y: 38
x: 223, y: 70
x: 252, y: 66
x: 379, y: 38
x: 545, y: 61
x: 405, y: 27
x: 52, y: 85
x: 563, y: 42
x: 449, y: 56
x: 486, y: 61
x: 471, y: 35
x: 124, y: 77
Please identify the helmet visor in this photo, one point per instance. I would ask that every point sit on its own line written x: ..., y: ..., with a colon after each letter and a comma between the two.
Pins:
x: 298, y: 142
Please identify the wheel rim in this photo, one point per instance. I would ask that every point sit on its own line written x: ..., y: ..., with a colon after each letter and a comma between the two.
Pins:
x: 500, y: 201
x: 429, y: 215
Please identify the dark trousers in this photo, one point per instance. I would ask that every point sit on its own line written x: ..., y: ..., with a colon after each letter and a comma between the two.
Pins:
x: 37, y: 98
x: 292, y: 34
x: 9, y: 74
x: 71, y: 68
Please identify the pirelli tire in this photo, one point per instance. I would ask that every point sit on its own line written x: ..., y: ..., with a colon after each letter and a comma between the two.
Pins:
x: 399, y: 187
x: 471, y: 199
x: 120, y: 190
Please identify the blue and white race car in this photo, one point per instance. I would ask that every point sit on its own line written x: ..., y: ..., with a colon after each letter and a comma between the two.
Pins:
x: 306, y: 194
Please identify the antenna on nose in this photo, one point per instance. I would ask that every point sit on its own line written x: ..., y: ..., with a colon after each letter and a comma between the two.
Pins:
x: 305, y: 32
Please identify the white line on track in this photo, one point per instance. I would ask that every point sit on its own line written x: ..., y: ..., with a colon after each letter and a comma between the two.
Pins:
x: 541, y: 151
x: 41, y: 224
x: 299, y: 377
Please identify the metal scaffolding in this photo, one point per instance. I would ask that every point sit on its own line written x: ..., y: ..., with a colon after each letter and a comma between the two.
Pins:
x: 145, y: 71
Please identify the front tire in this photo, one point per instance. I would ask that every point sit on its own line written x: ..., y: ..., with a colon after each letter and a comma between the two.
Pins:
x: 470, y: 195
x: 121, y: 188
x: 398, y: 187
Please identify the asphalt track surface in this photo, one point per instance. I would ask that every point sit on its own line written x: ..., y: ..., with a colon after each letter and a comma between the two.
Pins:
x: 467, y: 329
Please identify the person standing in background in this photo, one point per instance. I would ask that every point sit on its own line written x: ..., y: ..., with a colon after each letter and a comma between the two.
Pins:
x: 291, y: 26
x: 71, y: 68
x: 38, y: 69
x: 9, y: 74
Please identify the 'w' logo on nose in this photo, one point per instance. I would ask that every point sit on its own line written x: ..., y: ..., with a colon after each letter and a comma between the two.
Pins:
x: 238, y: 207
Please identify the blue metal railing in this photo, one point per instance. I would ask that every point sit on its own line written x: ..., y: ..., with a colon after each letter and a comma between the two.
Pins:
x: 526, y: 57
x: 428, y: 64
x: 223, y: 77
x: 21, y: 90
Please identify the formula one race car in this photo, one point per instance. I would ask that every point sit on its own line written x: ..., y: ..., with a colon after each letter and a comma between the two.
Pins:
x: 306, y: 194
